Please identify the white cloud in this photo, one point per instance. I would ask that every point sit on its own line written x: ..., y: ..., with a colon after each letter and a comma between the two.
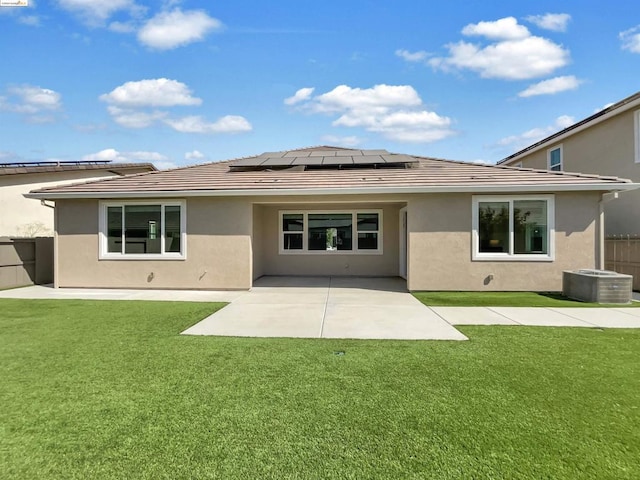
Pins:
x: 349, y: 141
x: 300, y: 96
x: 556, y: 22
x: 30, y: 20
x: 516, y: 55
x: 111, y: 154
x: 503, y: 29
x: 419, y: 56
x: 122, y: 27
x: 530, y: 137
x: 551, y: 86
x: 158, y: 92
x: 631, y: 39
x: 394, y: 111
x: 95, y: 12
x: 379, y: 97
x: 197, y: 124
x: 194, y: 155
x: 135, y: 118
x: 175, y: 28
x: 33, y: 99
x: 37, y: 104
x: 131, y: 106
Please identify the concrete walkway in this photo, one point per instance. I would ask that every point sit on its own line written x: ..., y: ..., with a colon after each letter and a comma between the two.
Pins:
x: 339, y: 307
x: 48, y: 292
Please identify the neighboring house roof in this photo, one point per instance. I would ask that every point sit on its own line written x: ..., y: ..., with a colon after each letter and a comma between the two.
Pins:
x: 604, y: 114
x: 21, y: 168
x: 353, y: 173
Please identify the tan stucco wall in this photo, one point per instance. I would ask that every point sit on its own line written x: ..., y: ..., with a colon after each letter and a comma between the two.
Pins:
x: 218, y: 250
x: 257, y: 241
x: 232, y: 241
x: 606, y: 148
x: 385, y: 264
x: 20, y: 215
x: 441, y: 249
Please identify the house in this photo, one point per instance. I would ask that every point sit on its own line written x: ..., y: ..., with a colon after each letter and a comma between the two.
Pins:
x: 20, y: 216
x: 441, y: 224
x: 606, y: 143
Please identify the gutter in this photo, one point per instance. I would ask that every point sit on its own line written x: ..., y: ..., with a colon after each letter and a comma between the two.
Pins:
x: 606, y: 187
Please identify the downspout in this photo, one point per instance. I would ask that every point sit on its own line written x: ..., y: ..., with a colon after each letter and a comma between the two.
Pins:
x: 606, y: 197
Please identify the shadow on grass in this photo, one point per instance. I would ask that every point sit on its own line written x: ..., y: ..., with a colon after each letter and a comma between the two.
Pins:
x: 507, y: 299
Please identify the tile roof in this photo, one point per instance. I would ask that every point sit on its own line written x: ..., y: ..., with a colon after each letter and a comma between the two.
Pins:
x: 424, y: 175
x: 21, y: 168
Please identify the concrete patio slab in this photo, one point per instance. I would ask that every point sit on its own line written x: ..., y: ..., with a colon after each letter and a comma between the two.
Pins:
x: 323, y: 307
x: 540, y: 316
x: 373, y: 322
x: 260, y: 320
x: 472, y: 316
x: 281, y: 297
x: 346, y: 296
x: 604, y: 317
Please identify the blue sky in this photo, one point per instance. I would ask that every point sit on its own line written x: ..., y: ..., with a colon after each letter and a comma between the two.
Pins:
x: 182, y: 82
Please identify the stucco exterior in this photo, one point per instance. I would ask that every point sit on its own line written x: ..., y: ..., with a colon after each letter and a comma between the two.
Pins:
x: 604, y: 148
x: 440, y: 246
x: 218, y: 250
x: 22, y: 216
x: 233, y: 240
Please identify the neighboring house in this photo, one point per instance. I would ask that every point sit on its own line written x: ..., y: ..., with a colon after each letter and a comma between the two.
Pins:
x: 443, y: 225
x: 606, y: 143
x: 20, y: 216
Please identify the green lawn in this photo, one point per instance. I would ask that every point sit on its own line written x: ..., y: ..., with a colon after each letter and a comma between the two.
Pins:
x: 101, y: 390
x: 505, y: 299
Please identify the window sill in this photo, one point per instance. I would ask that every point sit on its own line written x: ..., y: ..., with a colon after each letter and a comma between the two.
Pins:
x: 143, y: 257
x: 330, y: 252
x: 511, y: 258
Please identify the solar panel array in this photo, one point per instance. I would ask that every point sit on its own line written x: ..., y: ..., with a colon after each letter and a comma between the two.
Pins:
x: 319, y: 158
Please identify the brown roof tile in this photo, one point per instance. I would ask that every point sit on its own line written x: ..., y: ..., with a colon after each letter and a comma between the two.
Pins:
x: 425, y: 173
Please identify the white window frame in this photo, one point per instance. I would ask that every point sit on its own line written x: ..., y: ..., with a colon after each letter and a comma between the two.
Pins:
x: 305, y: 233
x: 636, y: 133
x: 104, y: 253
x: 476, y: 255
x: 561, y: 164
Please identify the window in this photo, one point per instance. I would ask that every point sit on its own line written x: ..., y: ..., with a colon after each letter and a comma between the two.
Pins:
x: 331, y: 232
x: 142, y: 230
x: 513, y: 228
x: 554, y: 159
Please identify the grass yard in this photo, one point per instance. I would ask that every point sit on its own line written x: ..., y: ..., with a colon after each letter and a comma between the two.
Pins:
x: 101, y: 390
x: 505, y: 299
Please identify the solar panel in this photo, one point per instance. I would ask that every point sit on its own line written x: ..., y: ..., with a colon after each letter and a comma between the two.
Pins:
x: 308, y: 161
x: 320, y: 158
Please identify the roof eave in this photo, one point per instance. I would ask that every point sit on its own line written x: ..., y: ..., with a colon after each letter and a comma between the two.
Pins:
x: 604, y: 187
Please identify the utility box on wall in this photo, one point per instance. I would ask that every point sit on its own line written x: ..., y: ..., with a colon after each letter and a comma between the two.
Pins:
x: 598, y: 286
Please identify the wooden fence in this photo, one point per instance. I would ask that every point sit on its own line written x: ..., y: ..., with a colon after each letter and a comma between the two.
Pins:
x: 622, y: 254
x: 25, y: 261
